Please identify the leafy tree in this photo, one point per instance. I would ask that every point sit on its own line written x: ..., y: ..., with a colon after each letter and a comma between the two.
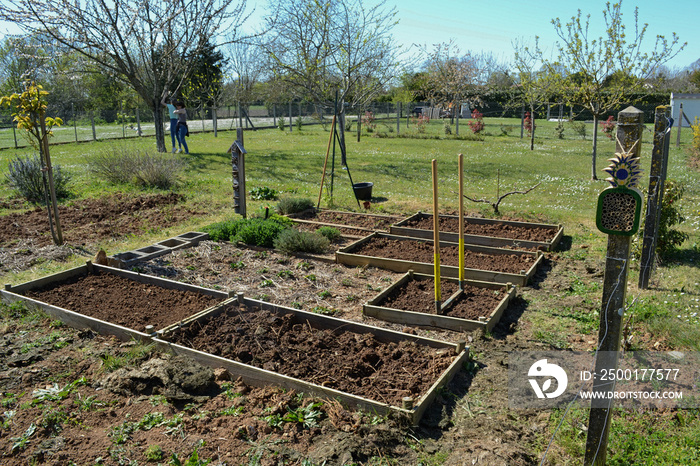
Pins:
x: 598, y: 73
x: 30, y: 115
x: 150, y: 45
x: 204, y: 84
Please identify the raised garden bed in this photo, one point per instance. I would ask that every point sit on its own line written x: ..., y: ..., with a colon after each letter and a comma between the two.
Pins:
x: 411, y: 301
x: 401, y: 254
x: 114, y: 301
x: 361, y: 223
x: 483, y: 231
x: 362, y: 365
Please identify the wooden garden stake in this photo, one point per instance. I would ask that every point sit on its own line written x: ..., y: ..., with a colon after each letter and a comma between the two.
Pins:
x: 436, y: 241
x: 238, y: 173
x: 325, y: 163
x: 657, y: 178
x: 618, y: 216
x: 460, y: 168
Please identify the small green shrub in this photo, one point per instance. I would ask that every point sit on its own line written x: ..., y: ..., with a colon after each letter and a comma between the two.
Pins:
x: 262, y: 232
x: 505, y: 130
x: 154, y: 453
x: 299, y: 122
x: 559, y: 130
x: 291, y: 240
x: 667, y: 239
x: 280, y: 123
x: 330, y: 233
x: 447, y: 127
x: 579, y: 128
x: 263, y: 193
x: 293, y: 205
x: 25, y: 176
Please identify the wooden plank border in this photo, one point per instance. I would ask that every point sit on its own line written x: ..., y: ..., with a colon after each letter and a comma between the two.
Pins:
x: 373, y: 308
x: 261, y: 377
x: 401, y: 229
x: 348, y: 257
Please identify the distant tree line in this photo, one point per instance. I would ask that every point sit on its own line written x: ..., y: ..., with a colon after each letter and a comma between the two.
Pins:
x: 109, y: 58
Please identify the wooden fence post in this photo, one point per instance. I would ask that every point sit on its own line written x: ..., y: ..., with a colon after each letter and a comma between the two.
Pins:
x: 459, y: 115
x: 290, y: 116
x: 655, y: 196
x: 680, y: 125
x: 398, y: 117
x: 75, y: 125
x: 92, y: 122
x: 629, y: 135
x: 214, y: 121
x: 138, y: 122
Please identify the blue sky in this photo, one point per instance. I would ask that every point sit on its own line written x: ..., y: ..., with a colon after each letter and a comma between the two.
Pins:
x: 493, y: 25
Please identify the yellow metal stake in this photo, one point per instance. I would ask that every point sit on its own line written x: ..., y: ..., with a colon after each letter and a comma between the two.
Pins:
x: 436, y: 240
x: 460, y: 167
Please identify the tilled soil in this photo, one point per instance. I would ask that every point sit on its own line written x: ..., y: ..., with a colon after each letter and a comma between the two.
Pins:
x: 500, y: 230
x: 89, y: 221
x: 118, y: 300
x: 354, y: 363
x: 469, y: 422
x: 419, y: 296
x: 420, y: 251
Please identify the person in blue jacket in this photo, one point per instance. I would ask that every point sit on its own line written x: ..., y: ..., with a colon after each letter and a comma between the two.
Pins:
x: 167, y: 102
x: 181, y: 129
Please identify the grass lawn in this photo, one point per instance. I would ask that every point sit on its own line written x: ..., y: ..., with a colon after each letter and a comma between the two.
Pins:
x: 497, y: 162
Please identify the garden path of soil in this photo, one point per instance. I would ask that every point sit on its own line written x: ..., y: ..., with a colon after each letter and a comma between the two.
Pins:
x: 351, y: 362
x: 89, y: 221
x: 421, y: 251
x: 499, y: 230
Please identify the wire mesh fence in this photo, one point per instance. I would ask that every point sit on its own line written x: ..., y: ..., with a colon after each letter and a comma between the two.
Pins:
x: 82, y: 126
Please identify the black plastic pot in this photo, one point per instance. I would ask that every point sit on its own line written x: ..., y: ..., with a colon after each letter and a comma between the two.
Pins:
x: 363, y: 191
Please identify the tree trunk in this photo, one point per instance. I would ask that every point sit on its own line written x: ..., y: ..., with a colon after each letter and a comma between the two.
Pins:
x: 160, y: 131
x: 532, y: 128
x: 595, y: 147
x: 58, y: 238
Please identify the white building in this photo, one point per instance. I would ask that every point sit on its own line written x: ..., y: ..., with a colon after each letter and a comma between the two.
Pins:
x: 691, y: 108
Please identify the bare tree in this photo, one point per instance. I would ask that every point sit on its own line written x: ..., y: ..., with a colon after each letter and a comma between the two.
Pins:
x: 534, y: 85
x: 317, y: 48
x: 451, y: 75
x: 148, y: 44
x: 246, y: 66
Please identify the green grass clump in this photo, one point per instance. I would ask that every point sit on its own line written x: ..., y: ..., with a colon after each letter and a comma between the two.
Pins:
x: 291, y: 241
x: 293, y: 205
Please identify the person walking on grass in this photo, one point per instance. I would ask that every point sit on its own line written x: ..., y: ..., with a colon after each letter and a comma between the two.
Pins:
x: 181, y: 130
x: 167, y: 102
